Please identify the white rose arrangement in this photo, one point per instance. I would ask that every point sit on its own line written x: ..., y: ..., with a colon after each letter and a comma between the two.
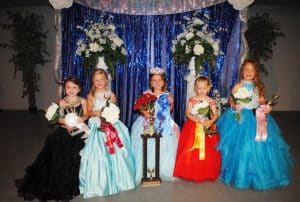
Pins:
x: 200, y: 108
x: 198, y: 41
x: 52, y: 113
x: 101, y: 40
x: 111, y: 113
x: 242, y: 95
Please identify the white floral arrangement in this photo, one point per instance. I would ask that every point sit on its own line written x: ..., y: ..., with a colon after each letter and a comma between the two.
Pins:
x: 101, y: 40
x: 240, y: 4
x: 60, y: 4
x: 73, y: 121
x: 52, y: 113
x: 200, y: 108
x: 197, y: 41
x: 111, y: 113
x: 242, y: 95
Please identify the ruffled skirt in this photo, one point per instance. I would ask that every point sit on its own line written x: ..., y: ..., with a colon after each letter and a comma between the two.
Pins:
x: 54, y: 173
x: 247, y: 163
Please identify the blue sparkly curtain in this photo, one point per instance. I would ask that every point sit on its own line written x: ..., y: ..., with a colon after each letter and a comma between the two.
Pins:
x: 148, y: 40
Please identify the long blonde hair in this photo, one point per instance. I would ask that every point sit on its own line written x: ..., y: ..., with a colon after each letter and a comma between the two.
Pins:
x: 91, y: 94
x: 258, y: 84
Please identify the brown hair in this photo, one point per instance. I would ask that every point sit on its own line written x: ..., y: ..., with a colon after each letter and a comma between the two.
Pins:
x: 164, y: 78
x: 258, y: 84
x: 92, y: 92
x: 203, y: 78
x: 73, y: 80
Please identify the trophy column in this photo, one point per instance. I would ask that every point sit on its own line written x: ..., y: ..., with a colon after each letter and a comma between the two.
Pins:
x: 151, y: 180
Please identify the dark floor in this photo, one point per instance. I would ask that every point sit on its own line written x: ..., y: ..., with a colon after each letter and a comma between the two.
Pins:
x: 22, y: 136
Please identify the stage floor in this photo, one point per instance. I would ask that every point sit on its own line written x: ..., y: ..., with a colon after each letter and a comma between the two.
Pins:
x: 23, y: 134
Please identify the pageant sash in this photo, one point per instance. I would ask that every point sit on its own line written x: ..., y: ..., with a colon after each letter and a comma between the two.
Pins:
x: 261, y: 124
x: 199, y: 141
x: 111, y: 136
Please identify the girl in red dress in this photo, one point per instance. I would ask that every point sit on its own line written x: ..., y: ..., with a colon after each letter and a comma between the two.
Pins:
x: 197, y: 158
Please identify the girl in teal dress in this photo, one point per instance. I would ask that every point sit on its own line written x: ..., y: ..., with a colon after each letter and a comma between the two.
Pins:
x: 107, y: 166
x: 163, y: 123
x: 254, y: 154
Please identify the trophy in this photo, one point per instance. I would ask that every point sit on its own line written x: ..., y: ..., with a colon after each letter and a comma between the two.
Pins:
x: 153, y: 179
x: 273, y: 100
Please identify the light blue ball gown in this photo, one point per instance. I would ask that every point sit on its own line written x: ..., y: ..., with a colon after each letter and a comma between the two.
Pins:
x: 168, y: 142
x: 102, y: 173
x: 247, y: 163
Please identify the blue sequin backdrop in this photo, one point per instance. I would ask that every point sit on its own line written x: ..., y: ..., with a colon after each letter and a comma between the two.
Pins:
x: 137, y: 31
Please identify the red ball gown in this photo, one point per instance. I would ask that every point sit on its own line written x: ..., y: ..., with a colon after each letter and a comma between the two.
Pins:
x: 189, y: 165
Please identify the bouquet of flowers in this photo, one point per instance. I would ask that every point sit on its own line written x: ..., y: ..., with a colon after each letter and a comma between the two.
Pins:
x: 52, y: 113
x: 242, y: 95
x: 101, y: 40
x: 145, y: 103
x: 201, y: 108
x: 197, y: 40
x: 110, y: 113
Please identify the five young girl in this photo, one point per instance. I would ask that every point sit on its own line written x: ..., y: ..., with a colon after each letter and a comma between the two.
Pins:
x: 111, y: 159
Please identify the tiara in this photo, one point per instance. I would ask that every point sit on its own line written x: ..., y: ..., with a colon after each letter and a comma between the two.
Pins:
x: 157, y: 70
x: 203, y: 76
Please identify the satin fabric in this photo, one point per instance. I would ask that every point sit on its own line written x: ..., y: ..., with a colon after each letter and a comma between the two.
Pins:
x: 102, y: 173
x: 168, y: 142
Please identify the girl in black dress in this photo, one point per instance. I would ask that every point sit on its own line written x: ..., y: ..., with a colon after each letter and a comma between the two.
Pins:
x: 53, y: 175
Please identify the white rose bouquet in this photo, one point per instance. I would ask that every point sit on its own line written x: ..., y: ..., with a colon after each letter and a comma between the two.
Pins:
x: 111, y: 113
x: 52, y: 113
x: 198, y: 41
x: 101, y: 40
x: 201, y: 108
x: 241, y: 96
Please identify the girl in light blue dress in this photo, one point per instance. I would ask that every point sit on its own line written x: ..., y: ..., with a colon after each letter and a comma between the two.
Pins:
x: 163, y: 123
x: 107, y: 165
x: 254, y: 154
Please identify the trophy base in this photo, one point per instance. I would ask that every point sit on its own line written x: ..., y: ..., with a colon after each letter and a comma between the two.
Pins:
x: 151, y: 182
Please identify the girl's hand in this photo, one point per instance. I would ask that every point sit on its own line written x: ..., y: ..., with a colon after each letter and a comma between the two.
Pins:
x: 208, y: 123
x: 268, y: 109
x: 238, y: 107
x: 69, y: 129
x: 97, y: 113
x: 201, y: 121
x: 147, y: 115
